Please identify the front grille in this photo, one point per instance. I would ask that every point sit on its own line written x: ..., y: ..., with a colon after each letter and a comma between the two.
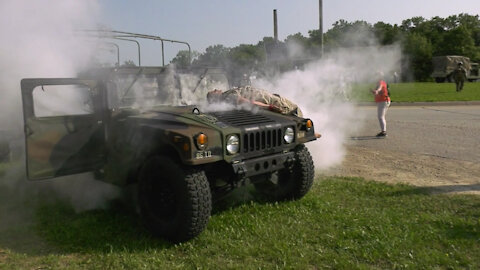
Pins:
x: 240, y: 118
x: 262, y: 140
x: 260, y: 133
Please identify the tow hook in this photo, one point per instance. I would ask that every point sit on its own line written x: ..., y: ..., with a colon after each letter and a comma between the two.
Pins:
x: 289, y: 162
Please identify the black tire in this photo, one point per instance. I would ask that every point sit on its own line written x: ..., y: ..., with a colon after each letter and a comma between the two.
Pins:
x: 439, y: 79
x: 290, y: 183
x: 449, y: 78
x: 174, y: 202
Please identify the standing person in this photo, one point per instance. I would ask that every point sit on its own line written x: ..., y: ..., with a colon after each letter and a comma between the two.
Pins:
x: 459, y: 76
x: 395, y: 77
x: 382, y: 99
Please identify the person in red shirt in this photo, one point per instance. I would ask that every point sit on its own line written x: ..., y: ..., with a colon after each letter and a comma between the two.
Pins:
x: 382, y: 99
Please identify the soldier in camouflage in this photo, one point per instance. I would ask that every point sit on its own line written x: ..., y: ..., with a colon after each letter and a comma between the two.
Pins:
x: 258, y: 97
x: 459, y: 75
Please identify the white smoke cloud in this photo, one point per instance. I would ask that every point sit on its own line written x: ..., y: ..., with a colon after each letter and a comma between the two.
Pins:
x: 322, y: 90
x: 40, y: 39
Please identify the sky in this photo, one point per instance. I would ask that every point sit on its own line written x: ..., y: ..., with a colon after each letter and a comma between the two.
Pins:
x: 234, y: 22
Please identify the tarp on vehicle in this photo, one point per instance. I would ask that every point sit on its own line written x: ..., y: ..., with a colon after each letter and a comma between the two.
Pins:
x: 444, y: 65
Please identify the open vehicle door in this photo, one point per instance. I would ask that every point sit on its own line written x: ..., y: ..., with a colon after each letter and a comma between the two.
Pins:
x: 63, y: 125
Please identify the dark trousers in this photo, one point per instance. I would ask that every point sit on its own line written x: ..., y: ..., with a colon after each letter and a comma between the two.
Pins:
x: 459, y: 85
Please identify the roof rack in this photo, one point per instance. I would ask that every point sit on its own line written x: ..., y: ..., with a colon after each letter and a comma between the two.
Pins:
x: 132, y: 37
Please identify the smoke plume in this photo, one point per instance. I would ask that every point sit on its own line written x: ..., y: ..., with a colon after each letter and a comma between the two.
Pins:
x: 323, y: 90
x: 40, y: 39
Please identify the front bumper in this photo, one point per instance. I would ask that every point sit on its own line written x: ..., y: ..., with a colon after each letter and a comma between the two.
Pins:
x: 263, y: 165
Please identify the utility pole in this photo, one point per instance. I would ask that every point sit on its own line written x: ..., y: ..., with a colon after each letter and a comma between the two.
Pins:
x: 320, y: 27
x: 275, y: 26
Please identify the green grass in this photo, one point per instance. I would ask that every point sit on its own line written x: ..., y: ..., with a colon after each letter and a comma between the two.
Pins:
x: 344, y: 223
x: 421, y: 92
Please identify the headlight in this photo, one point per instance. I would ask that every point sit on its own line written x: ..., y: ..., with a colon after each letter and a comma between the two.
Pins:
x: 233, y: 144
x: 288, y: 135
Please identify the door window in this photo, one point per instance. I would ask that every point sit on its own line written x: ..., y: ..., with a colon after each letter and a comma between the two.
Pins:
x: 58, y: 100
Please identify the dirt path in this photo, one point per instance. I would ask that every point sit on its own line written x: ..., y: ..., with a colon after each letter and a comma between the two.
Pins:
x: 441, y: 174
x: 434, y: 146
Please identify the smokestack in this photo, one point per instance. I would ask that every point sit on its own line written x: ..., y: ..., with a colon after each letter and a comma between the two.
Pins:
x: 320, y: 27
x: 275, y: 26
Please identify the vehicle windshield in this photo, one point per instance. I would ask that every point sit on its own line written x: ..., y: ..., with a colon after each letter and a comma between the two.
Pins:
x: 143, y: 90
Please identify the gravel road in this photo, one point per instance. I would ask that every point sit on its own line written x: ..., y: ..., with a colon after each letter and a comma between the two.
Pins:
x: 429, y: 146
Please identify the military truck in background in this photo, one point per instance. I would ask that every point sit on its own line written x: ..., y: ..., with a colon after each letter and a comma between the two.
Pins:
x: 443, y: 67
x: 140, y: 126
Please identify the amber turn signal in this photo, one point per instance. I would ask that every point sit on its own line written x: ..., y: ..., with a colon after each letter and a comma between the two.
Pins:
x: 309, y: 124
x: 202, y: 140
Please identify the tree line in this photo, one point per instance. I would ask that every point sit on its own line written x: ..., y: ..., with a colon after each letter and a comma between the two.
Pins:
x: 419, y: 39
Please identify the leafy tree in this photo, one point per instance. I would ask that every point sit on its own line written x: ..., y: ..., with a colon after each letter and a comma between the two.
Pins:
x: 216, y: 55
x: 128, y: 63
x: 184, y: 58
x: 413, y: 24
x: 297, y: 38
x: 272, y: 48
x: 301, y: 48
x: 314, y: 39
x: 458, y: 41
x: 418, y: 49
x: 473, y: 24
x: 244, y: 59
x: 265, y: 41
x: 386, y: 34
x: 246, y: 55
x: 347, y: 35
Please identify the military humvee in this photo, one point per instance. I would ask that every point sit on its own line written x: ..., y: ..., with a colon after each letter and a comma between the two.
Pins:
x: 135, y: 125
x: 443, y: 67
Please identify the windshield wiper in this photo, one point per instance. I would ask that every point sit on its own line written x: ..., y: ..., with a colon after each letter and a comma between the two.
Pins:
x: 200, y: 80
x: 133, y: 82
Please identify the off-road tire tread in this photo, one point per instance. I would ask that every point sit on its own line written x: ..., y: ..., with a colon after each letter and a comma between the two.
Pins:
x: 201, y: 203
x: 304, y: 169
x: 293, y: 183
x: 195, y: 212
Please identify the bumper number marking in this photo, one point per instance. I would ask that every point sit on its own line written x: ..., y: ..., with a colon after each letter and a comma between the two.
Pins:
x: 203, y: 154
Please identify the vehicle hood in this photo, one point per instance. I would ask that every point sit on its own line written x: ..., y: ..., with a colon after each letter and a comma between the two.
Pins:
x: 175, y: 115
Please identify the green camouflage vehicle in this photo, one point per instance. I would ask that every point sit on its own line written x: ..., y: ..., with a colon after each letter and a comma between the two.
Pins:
x: 135, y: 125
x: 443, y: 67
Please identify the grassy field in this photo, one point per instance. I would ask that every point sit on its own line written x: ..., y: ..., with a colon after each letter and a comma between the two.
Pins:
x: 345, y: 223
x: 421, y: 92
